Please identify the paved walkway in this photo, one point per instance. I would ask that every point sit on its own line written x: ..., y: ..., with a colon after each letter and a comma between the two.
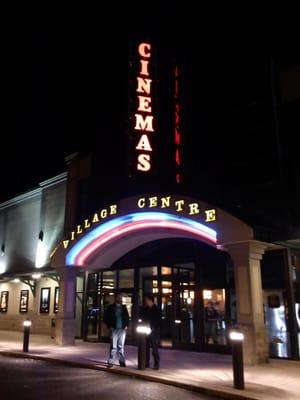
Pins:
x: 205, y: 372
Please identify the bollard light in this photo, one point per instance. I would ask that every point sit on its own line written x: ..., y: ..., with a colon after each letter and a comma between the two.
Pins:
x: 237, y: 337
x: 143, y: 330
x: 26, y: 333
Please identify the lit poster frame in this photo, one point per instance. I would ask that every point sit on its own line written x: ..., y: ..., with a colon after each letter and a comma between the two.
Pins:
x: 4, y: 301
x: 45, y: 300
x: 56, y: 299
x: 24, y: 298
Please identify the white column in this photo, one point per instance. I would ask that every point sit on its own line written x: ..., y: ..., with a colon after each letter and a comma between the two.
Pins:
x: 250, y: 314
x: 65, y: 318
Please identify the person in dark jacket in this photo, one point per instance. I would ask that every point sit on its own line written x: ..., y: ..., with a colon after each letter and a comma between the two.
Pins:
x: 211, y: 320
x: 152, y: 315
x: 116, y: 318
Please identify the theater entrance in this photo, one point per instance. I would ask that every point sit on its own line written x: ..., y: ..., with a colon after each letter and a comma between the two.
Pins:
x: 180, y: 249
x: 193, y: 316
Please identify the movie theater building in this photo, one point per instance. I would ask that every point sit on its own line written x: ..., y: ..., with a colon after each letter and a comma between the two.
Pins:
x: 68, y: 246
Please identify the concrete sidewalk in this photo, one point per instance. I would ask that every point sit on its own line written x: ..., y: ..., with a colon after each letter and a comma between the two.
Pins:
x: 202, y: 372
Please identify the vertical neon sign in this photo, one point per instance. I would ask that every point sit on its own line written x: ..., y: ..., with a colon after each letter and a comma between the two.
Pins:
x: 143, y: 121
x: 177, y: 127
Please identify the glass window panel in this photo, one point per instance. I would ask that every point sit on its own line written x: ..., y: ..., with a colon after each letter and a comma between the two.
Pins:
x: 79, y: 284
x: 277, y: 329
x: 186, y: 316
x: 109, y: 280
x: 166, y: 270
x: 186, y: 277
x: 78, y: 314
x: 145, y: 275
x: 214, y: 316
x: 92, y: 315
x: 126, y: 278
x: 92, y: 282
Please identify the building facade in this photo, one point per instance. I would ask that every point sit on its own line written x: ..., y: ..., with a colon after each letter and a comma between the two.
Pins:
x: 185, y: 252
x: 70, y: 245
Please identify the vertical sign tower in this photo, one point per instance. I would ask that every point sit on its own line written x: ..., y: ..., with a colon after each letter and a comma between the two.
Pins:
x: 154, y: 131
x: 143, y: 122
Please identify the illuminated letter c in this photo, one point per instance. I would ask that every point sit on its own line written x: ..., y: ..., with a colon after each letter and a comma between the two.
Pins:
x: 145, y: 50
x: 141, y: 202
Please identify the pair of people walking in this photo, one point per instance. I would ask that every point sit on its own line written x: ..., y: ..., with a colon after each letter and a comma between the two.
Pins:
x: 116, y: 318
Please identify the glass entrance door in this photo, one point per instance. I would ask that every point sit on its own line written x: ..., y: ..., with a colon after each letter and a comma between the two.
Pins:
x: 92, y: 329
x: 92, y: 308
x: 215, y: 329
x: 184, y: 321
x: 167, y: 311
x: 107, y: 298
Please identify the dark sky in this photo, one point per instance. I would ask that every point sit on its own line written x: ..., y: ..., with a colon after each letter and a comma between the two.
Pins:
x: 65, y: 80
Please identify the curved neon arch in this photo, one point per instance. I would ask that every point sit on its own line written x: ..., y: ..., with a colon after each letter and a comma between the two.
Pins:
x: 113, y: 230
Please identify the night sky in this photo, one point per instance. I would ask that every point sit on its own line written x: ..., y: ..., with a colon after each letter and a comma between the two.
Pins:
x: 66, y: 87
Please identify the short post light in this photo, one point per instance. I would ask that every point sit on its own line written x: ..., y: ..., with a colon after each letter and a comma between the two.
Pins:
x: 237, y: 337
x: 143, y: 330
x: 177, y: 330
x: 26, y: 330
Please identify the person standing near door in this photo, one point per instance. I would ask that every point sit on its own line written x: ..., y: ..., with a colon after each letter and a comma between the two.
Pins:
x: 211, y: 320
x: 152, y: 315
x: 116, y: 318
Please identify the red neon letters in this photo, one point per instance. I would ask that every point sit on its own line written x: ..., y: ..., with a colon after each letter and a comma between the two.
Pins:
x: 177, y: 131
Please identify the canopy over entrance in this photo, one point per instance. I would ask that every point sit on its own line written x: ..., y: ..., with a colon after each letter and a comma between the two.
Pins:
x: 125, y: 225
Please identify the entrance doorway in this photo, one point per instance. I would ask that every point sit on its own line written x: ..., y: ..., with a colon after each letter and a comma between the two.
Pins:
x: 193, y: 316
x: 101, y: 289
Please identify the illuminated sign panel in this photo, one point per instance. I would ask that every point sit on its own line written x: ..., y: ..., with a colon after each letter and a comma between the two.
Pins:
x: 144, y: 205
x: 143, y: 118
x: 155, y: 111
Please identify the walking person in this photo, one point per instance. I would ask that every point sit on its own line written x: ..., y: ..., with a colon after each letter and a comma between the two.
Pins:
x: 152, y: 315
x: 116, y: 318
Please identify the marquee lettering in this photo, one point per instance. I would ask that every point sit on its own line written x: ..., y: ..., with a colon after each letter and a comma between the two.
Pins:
x: 103, y: 213
x: 144, y: 162
x: 144, y: 104
x: 95, y: 218
x: 194, y: 208
x: 165, y: 202
x: 145, y: 50
x: 141, y: 202
x: 87, y: 224
x: 153, y: 201
x: 158, y: 202
x: 113, y: 209
x: 144, y: 85
x: 179, y: 205
x: 144, y: 123
x: 144, y: 144
x: 210, y: 215
x: 144, y: 67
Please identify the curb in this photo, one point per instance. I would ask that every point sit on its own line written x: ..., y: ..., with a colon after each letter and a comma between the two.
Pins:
x: 223, y: 394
